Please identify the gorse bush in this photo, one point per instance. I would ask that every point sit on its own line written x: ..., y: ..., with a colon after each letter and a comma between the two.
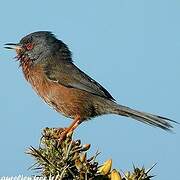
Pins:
x: 68, y: 160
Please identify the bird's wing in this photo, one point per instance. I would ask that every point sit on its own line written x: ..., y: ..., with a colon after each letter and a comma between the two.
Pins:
x: 67, y: 74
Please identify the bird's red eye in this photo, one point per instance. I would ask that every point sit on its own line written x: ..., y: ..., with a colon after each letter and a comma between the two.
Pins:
x: 29, y: 46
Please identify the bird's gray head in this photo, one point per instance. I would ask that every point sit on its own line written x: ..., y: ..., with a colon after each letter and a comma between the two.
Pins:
x: 40, y: 45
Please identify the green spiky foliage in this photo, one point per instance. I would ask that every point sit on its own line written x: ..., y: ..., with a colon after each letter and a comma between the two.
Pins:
x: 68, y: 160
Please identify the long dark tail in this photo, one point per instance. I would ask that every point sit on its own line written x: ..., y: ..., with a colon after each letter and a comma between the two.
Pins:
x: 150, y: 119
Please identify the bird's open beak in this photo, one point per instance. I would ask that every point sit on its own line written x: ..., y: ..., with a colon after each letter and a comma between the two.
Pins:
x: 16, y: 47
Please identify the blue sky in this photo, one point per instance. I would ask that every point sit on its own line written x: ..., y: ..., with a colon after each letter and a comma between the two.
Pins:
x: 130, y: 47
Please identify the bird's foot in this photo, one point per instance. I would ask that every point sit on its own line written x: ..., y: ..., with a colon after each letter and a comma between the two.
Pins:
x: 70, y: 129
x: 64, y: 134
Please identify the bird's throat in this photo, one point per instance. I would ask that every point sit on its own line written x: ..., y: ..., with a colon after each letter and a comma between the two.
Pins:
x: 26, y: 64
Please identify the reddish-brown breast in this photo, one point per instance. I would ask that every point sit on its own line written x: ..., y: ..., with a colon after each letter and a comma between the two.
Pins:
x: 68, y: 101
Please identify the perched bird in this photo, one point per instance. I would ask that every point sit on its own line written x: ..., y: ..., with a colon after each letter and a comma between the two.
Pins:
x: 48, y: 66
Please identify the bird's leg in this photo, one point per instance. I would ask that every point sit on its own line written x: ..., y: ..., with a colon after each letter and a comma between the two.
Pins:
x: 73, y: 125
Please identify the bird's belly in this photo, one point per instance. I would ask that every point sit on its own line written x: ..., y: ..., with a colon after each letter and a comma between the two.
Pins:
x: 68, y: 101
